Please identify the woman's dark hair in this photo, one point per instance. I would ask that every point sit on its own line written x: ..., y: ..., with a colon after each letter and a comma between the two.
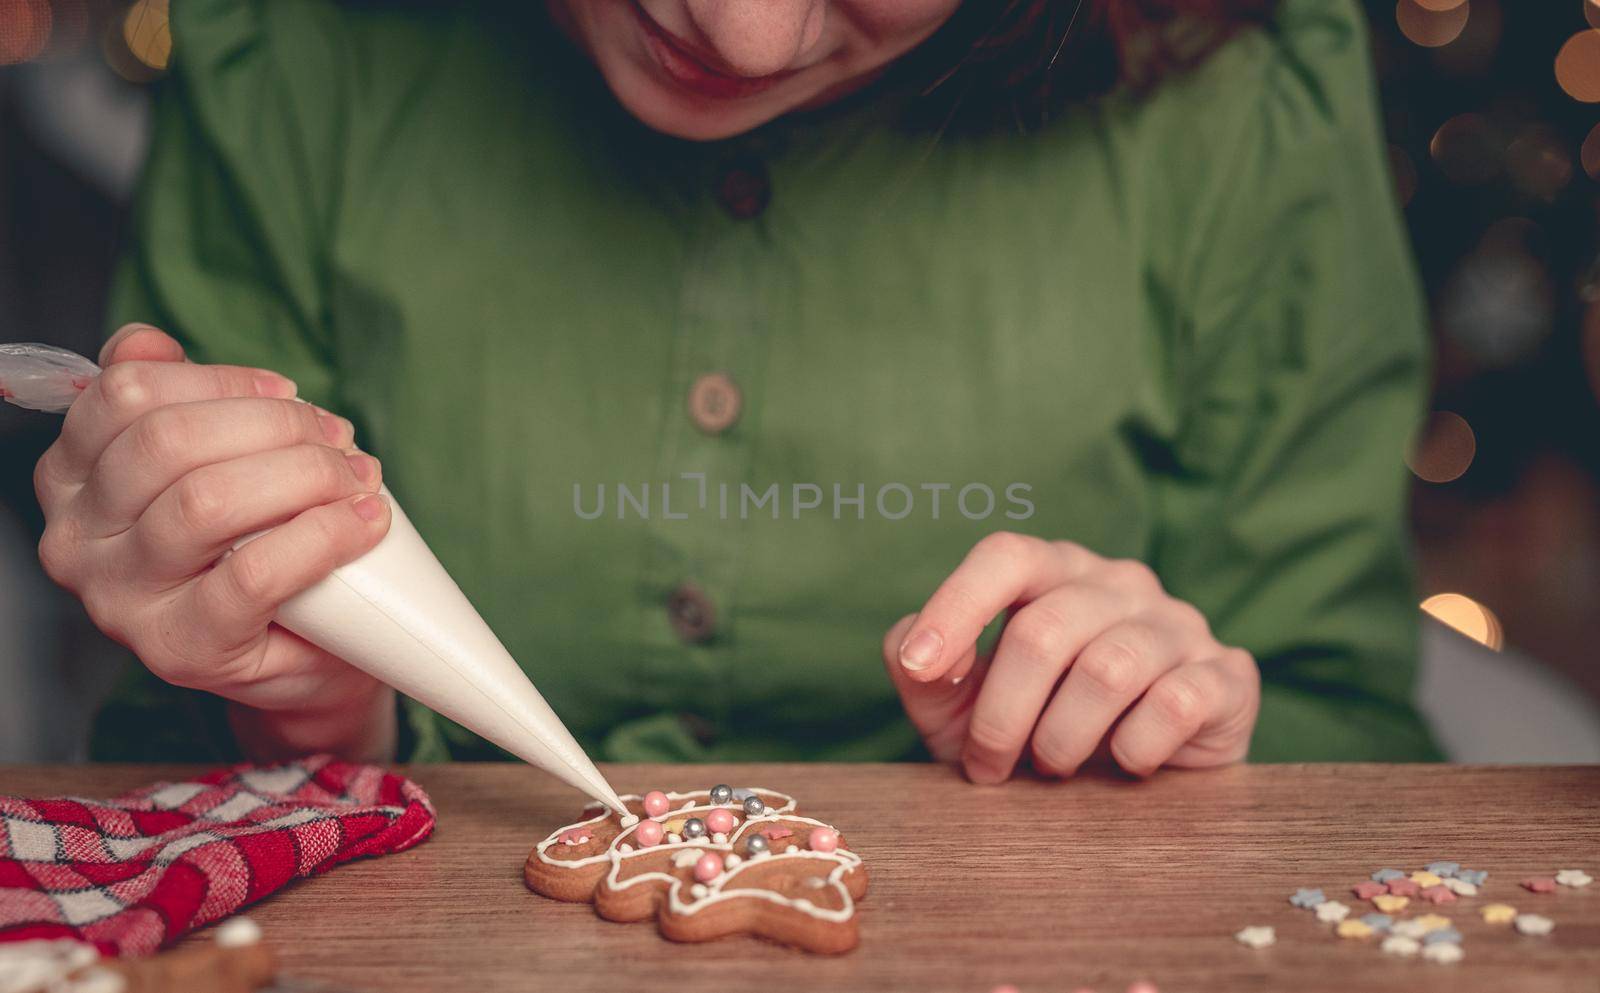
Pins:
x: 1021, y: 61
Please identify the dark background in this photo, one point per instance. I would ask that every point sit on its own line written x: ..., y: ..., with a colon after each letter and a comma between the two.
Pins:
x: 1495, y: 140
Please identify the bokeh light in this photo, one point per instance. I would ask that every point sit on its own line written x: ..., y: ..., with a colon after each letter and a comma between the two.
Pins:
x: 1591, y: 153
x: 146, y: 33
x: 1468, y: 149
x: 24, y: 29
x: 1591, y: 10
x: 1578, y: 66
x: 1430, y: 23
x: 1539, y: 163
x: 1500, y: 303
x: 1466, y: 616
x: 1443, y: 449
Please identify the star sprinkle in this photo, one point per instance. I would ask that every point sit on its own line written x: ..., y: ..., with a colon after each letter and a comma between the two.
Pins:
x: 1432, y: 922
x: 1307, y: 898
x: 1404, y: 887
x: 1448, y: 935
x: 1444, y: 869
x: 1385, y: 875
x: 1353, y: 929
x: 1499, y: 913
x: 1437, y: 894
x: 1256, y: 936
x: 1539, y: 885
x: 1534, y: 924
x: 1377, y: 922
x: 1366, y: 891
x: 1397, y: 944
x: 1409, y: 928
x: 1332, y: 912
x: 1390, y: 904
x: 1445, y: 953
x: 1474, y: 876
x: 1575, y: 878
x: 1460, y: 887
x: 1425, y: 879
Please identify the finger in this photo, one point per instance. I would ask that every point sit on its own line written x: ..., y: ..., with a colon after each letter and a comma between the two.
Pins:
x: 140, y: 342
x: 284, y: 671
x: 1001, y: 570
x: 172, y: 441
x: 232, y: 603
x: 203, y: 514
x: 938, y: 710
x: 1106, y: 677
x: 127, y: 390
x: 1198, y: 714
x: 1036, y: 646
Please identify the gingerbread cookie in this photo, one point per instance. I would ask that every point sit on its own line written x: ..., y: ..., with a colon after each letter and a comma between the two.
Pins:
x: 707, y: 864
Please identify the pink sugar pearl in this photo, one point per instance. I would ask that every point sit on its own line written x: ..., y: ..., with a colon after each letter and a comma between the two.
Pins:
x: 1143, y: 987
x: 656, y: 803
x: 721, y: 821
x: 823, y: 840
x: 649, y: 833
x: 708, y: 868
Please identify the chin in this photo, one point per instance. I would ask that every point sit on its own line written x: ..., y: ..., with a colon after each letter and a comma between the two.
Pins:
x: 684, y: 115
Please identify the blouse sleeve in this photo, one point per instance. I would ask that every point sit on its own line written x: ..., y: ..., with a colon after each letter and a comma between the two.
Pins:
x: 225, y: 252
x: 1301, y: 375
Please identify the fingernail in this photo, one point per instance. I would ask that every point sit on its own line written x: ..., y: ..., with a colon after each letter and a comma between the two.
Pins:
x: 980, y: 771
x: 369, y: 508
x: 366, y: 468
x: 272, y: 385
x: 339, y: 432
x: 921, y: 650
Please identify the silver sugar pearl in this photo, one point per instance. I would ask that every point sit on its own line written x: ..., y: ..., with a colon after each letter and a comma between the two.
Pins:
x: 694, y: 827
x: 721, y: 793
x: 755, y: 845
x: 753, y: 807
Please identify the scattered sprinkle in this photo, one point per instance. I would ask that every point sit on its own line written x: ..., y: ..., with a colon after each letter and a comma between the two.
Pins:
x: 1425, y: 879
x: 1576, y: 878
x: 1539, y: 885
x: 1366, y: 891
x: 1384, y: 875
x: 1448, y: 935
x: 1377, y: 922
x: 1404, y: 887
x: 1444, y: 870
x: 1409, y: 929
x: 1389, y: 903
x: 1397, y: 944
x: 1307, y: 898
x: 1499, y: 913
x: 1432, y: 922
x: 1332, y: 912
x: 1437, y: 894
x: 1256, y: 936
x: 1353, y: 929
x: 1474, y: 876
x: 1460, y: 887
x: 1534, y: 924
x: 1445, y: 953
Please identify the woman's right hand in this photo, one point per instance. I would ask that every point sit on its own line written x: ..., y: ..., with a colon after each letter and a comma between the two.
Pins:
x: 161, y: 467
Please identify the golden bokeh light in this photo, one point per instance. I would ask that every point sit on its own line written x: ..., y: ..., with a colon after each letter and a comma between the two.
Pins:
x: 1443, y: 448
x: 1468, y: 149
x: 1591, y: 10
x: 1578, y: 66
x: 1468, y: 617
x: 1590, y: 154
x: 24, y: 29
x: 1430, y: 23
x: 146, y: 33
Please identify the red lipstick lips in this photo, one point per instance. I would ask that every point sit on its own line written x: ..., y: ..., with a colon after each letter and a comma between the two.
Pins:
x: 696, y: 72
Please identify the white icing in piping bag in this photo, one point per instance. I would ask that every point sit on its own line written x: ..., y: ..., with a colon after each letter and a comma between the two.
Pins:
x: 394, y: 613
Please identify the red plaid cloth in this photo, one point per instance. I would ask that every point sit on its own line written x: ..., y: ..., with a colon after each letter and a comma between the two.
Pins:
x: 134, y: 873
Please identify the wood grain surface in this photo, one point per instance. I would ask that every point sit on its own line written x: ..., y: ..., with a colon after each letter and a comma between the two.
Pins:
x: 1048, y: 886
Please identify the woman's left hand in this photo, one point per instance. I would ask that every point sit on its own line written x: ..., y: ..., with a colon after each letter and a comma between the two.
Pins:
x: 1142, y: 670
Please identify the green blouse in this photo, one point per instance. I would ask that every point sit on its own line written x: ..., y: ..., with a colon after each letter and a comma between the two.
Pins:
x: 693, y: 424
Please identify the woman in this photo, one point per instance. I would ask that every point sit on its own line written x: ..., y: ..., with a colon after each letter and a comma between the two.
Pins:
x: 700, y: 370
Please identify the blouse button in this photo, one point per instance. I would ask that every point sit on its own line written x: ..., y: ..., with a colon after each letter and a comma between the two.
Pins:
x: 691, y: 613
x: 744, y: 190
x: 714, y: 403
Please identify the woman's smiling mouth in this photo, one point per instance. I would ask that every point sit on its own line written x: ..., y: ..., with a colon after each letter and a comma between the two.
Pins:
x: 695, y: 71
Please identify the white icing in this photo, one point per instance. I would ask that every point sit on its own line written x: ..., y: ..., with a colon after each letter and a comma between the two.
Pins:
x: 720, y: 838
x: 683, y: 860
x: 673, y: 839
x: 238, y: 933
x: 722, y: 888
x: 629, y: 820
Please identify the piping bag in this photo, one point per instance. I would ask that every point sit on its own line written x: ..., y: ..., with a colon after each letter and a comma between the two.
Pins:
x: 394, y: 613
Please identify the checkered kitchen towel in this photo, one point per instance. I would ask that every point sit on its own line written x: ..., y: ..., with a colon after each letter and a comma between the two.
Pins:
x: 134, y: 873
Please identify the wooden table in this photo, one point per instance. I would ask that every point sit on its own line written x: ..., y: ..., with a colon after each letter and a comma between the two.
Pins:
x: 1048, y: 886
